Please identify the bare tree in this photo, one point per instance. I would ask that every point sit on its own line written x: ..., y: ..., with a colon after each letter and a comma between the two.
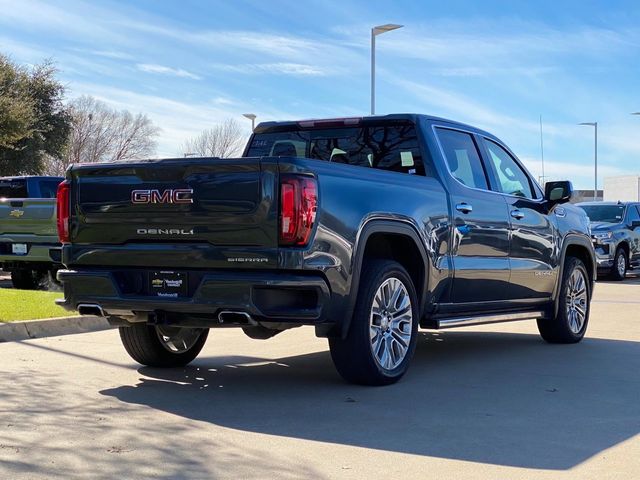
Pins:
x: 135, y: 137
x: 223, y: 140
x: 102, y: 134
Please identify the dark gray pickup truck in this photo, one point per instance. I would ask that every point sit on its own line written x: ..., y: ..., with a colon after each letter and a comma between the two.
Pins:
x: 615, y: 229
x: 29, y: 246
x: 366, y: 228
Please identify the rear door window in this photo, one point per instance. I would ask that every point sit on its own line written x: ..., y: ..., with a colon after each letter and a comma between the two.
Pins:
x: 463, y: 158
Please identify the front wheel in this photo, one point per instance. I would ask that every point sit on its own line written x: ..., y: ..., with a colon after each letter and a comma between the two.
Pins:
x: 619, y: 269
x: 163, y: 346
x: 382, y: 336
x: 570, y: 322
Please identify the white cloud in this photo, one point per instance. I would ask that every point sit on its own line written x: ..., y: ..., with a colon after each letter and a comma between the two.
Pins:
x: 295, y: 69
x: 24, y: 51
x: 451, y: 104
x: 503, y: 42
x: 163, y: 70
x: 224, y: 101
x: 295, y: 52
x: 116, y: 55
x: 82, y: 21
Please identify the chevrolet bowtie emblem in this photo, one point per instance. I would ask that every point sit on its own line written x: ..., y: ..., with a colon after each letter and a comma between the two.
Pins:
x: 16, y: 213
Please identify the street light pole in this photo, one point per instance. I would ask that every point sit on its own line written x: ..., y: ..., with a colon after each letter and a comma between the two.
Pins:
x: 252, y: 117
x: 542, y: 150
x: 373, y: 72
x: 595, y: 157
x: 375, y: 31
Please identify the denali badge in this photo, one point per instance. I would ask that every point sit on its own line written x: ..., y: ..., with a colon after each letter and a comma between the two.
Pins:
x: 178, y: 195
x: 164, y: 231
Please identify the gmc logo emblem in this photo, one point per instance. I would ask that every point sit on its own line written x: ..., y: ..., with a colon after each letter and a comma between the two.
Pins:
x: 178, y: 195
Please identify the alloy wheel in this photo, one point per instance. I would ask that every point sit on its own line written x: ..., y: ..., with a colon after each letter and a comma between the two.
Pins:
x: 178, y: 339
x: 576, y: 301
x: 390, y: 323
x: 621, y: 265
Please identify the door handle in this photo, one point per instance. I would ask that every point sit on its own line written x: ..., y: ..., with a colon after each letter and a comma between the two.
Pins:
x: 464, y: 207
x: 517, y: 214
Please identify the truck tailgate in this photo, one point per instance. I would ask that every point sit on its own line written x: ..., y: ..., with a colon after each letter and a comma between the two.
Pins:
x: 32, y: 216
x: 195, y: 213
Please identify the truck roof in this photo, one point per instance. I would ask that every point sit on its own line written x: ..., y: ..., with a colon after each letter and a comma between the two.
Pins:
x: 270, y: 127
x: 37, y: 177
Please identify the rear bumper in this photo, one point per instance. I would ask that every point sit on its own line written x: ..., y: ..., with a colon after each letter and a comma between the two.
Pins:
x: 43, y: 253
x: 266, y: 296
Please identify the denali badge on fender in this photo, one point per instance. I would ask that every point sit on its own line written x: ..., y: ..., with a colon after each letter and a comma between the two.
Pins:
x: 178, y: 195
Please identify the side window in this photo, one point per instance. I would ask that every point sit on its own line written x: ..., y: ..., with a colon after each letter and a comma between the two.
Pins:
x: 511, y: 178
x: 633, y: 215
x: 463, y: 158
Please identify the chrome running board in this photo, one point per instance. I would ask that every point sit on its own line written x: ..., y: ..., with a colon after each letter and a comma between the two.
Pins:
x: 484, y: 319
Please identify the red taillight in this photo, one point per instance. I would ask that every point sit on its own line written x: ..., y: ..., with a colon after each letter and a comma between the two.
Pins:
x: 298, y: 204
x: 63, y: 209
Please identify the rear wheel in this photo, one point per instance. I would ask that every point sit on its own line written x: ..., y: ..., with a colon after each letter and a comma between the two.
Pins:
x: 163, y: 346
x: 570, y: 322
x: 384, y: 328
x: 619, y: 269
x: 26, y: 279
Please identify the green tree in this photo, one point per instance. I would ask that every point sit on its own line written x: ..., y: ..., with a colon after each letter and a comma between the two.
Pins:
x: 34, y: 123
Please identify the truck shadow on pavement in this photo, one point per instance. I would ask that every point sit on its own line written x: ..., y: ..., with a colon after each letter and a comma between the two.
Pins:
x: 498, y: 398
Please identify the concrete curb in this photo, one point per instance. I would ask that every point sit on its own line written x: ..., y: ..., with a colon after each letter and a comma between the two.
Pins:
x: 51, y: 327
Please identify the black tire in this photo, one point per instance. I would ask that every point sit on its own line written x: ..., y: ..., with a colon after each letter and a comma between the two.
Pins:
x: 26, y: 279
x: 559, y: 329
x: 353, y: 356
x: 618, y: 273
x: 142, y: 342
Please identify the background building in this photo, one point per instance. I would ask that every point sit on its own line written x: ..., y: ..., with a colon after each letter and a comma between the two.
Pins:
x: 625, y: 188
x: 585, y: 196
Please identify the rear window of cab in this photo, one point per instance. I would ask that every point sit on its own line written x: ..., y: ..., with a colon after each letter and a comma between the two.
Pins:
x: 386, y: 147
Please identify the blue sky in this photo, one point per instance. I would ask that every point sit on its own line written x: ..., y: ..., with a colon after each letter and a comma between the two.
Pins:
x: 496, y: 65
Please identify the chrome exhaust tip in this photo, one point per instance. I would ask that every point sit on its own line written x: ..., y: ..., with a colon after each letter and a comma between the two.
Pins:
x: 235, y: 318
x: 90, y: 309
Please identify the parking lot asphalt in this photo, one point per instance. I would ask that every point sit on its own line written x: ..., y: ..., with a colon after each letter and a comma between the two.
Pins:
x: 481, y: 402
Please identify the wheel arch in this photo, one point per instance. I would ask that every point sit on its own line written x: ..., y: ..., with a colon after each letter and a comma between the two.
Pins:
x: 396, y: 240
x: 624, y: 244
x: 579, y: 247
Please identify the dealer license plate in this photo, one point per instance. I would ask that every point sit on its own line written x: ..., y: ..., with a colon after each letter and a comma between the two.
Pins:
x: 168, y: 284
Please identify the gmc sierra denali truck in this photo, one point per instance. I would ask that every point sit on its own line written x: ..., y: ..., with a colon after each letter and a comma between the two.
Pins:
x: 29, y: 245
x: 366, y: 228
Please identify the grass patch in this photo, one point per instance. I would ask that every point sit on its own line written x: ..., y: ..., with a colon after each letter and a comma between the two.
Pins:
x: 16, y: 305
